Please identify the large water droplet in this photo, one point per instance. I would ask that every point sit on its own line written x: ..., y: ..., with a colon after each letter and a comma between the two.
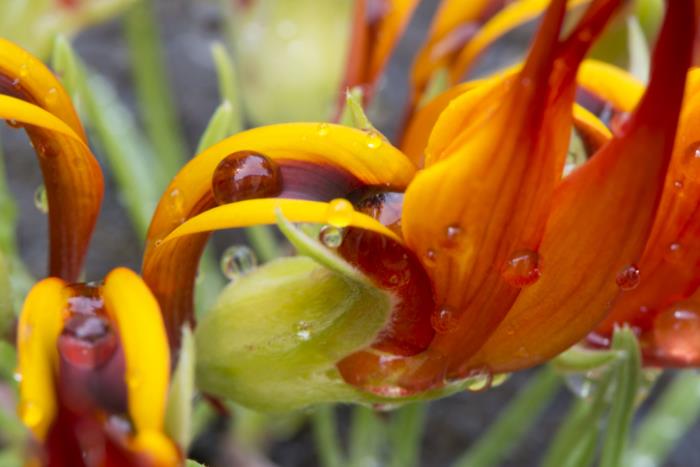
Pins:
x: 238, y: 260
x: 628, y: 277
x: 331, y: 236
x: 41, y: 200
x: 245, y: 175
x: 30, y: 413
x: 522, y: 268
x: 677, y: 332
x: 443, y: 319
x: 339, y: 212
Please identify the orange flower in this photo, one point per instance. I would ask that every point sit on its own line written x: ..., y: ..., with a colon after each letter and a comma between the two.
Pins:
x: 93, y: 360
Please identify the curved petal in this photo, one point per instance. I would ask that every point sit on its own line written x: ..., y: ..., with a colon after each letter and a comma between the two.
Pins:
x: 363, y: 155
x: 582, y: 253
x: 40, y: 323
x: 130, y: 304
x: 514, y: 15
x: 72, y: 176
x: 493, y: 162
x: 610, y: 84
x: 670, y: 266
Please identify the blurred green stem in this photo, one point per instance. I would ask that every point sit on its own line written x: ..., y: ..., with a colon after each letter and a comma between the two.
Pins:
x: 365, y: 437
x: 673, y: 414
x: 406, y: 433
x: 153, y: 92
x: 513, y: 422
x: 326, y: 437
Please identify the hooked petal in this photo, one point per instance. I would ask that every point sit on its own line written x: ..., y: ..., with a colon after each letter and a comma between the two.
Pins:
x: 581, y: 254
x: 134, y: 309
x: 493, y: 161
x: 318, y: 148
x: 73, y: 180
x: 40, y: 324
x: 514, y: 15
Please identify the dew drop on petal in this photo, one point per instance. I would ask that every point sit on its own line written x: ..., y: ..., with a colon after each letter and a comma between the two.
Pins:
x: 12, y: 123
x: 30, y: 413
x: 499, y: 379
x: 51, y: 97
x: 628, y: 277
x: 677, y: 332
x: 674, y: 254
x: 339, y: 212
x: 430, y: 257
x: 246, y: 175
x: 177, y: 203
x: 238, y: 260
x: 374, y: 139
x: 23, y: 70
x: 331, y: 236
x: 522, y: 268
x: 678, y: 184
x: 453, y: 234
x: 443, y: 319
x: 479, y: 382
x: 323, y: 129
x: 41, y: 200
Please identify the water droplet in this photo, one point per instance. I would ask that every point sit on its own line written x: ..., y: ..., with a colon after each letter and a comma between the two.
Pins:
x: 339, y: 212
x: 628, y: 278
x: 323, y: 129
x: 499, y: 379
x: 523, y: 268
x: 678, y: 184
x: 30, y: 413
x: 374, y: 139
x: 238, y: 260
x: 443, y: 319
x: 177, y: 204
x: 12, y: 123
x: 479, y: 382
x: 582, y: 385
x: 158, y: 242
x: 693, y: 151
x: 303, y: 331
x: 331, y: 236
x: 453, y: 234
x: 677, y: 332
x: 430, y: 257
x: 51, y: 97
x: 41, y: 199
x: 246, y: 175
x: 674, y: 253
x: 23, y: 70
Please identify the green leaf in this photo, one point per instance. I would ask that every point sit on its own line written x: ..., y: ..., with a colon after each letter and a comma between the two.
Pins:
x: 580, y: 359
x: 406, y: 432
x: 7, y: 315
x: 626, y: 380
x: 354, y: 114
x: 191, y: 463
x: 228, y: 85
x: 219, y: 126
x: 178, y: 415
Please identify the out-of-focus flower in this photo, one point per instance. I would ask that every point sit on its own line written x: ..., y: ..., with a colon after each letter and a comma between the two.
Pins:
x: 93, y: 360
x: 34, y: 23
x: 494, y: 262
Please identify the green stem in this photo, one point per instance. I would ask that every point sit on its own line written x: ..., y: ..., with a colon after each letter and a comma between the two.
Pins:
x: 406, y: 433
x: 154, y: 96
x: 365, y: 437
x: 673, y: 414
x: 513, y: 422
x: 326, y: 438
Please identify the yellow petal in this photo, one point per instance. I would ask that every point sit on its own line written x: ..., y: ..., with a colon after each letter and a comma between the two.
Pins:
x: 40, y: 324
x: 611, y: 84
x: 131, y: 305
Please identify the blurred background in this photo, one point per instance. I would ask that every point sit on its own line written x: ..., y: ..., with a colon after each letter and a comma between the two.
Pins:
x: 187, y: 30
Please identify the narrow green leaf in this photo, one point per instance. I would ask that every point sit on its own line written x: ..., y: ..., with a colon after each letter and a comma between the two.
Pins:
x: 178, y: 415
x: 626, y: 381
x: 580, y: 359
x: 218, y: 128
x: 228, y: 84
x: 191, y: 463
x: 406, y: 432
x: 513, y: 422
x: 353, y: 114
x: 326, y: 437
x: 7, y: 314
x: 674, y: 413
x: 366, y: 437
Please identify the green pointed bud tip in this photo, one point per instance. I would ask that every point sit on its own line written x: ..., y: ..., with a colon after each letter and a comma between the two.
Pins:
x: 274, y: 337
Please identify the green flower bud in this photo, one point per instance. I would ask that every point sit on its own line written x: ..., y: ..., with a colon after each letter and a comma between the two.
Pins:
x: 272, y: 340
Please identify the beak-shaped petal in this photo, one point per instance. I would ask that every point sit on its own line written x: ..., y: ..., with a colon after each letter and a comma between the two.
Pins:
x: 35, y: 99
x: 301, y: 159
x: 476, y: 214
x: 670, y: 266
x: 40, y: 324
x: 377, y: 27
x: 134, y: 309
x: 583, y: 258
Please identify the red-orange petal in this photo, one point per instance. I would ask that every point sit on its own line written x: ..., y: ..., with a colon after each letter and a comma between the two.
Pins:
x: 493, y: 161
x: 582, y: 252
x: 72, y: 176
